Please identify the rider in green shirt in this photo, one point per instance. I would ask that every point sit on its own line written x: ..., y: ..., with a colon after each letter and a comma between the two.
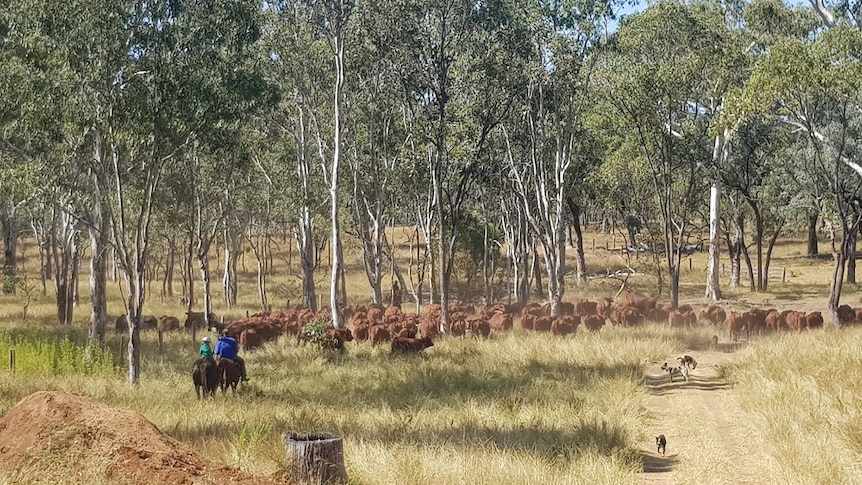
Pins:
x: 206, y: 350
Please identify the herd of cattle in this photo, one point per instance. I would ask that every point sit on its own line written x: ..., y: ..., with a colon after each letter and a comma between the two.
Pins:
x: 390, y: 326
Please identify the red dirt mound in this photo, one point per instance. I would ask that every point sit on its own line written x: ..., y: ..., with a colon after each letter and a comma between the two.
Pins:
x: 54, y: 437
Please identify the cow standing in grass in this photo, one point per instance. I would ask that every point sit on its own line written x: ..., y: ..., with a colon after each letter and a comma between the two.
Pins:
x: 205, y: 375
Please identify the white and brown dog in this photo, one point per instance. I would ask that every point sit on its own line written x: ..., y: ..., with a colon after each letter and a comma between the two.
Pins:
x: 672, y: 371
x: 687, y: 361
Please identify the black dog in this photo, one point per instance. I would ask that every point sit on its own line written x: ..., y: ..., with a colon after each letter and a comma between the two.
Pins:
x: 688, y: 361
x: 661, y: 443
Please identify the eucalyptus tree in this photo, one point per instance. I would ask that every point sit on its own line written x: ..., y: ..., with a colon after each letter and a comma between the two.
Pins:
x: 457, y: 83
x: 376, y: 148
x: 299, y: 57
x: 760, y: 172
x: 653, y: 83
x: 813, y: 86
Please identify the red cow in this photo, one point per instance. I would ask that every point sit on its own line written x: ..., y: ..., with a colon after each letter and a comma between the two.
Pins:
x: 638, y: 300
x: 339, y: 336
x: 564, y: 325
x: 542, y: 324
x: 379, y: 333
x: 593, y: 322
x: 603, y: 307
x: 813, y: 320
x: 676, y: 319
x: 586, y: 307
x: 737, y: 323
x: 501, y: 322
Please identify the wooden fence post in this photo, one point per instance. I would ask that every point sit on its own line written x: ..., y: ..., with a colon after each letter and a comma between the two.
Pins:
x: 784, y: 274
x: 315, y: 459
x: 12, y: 360
x: 161, y: 342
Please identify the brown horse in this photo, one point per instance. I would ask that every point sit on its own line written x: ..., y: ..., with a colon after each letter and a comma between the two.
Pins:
x: 229, y: 374
x: 205, y: 374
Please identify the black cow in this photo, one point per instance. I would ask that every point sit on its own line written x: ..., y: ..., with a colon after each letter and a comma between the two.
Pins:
x: 229, y: 374
x: 205, y: 374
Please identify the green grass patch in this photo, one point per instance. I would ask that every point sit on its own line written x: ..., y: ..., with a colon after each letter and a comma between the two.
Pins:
x: 54, y: 356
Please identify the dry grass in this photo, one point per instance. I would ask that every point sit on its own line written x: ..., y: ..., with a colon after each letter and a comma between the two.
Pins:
x: 519, y: 408
x: 805, y: 387
x: 520, y: 405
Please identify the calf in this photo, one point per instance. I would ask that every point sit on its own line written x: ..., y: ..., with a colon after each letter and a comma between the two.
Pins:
x: 403, y: 345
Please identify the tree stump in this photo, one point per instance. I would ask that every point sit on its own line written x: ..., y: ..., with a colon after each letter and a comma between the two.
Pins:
x: 316, y: 459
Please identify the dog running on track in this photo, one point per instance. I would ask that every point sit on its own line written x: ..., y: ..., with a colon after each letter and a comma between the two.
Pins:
x: 661, y: 444
x: 687, y: 361
x: 672, y: 371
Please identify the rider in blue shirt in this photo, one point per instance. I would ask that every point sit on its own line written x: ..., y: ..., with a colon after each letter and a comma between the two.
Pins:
x: 228, y: 348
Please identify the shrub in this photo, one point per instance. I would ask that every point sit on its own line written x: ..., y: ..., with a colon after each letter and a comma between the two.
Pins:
x: 314, y: 332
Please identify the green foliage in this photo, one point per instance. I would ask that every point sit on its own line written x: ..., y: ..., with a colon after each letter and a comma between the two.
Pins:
x: 314, y: 332
x: 57, y: 357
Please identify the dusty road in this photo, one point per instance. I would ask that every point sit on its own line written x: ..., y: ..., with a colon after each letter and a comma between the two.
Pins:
x: 710, y: 438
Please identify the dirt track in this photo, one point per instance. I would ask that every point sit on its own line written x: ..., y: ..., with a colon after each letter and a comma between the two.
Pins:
x: 710, y: 438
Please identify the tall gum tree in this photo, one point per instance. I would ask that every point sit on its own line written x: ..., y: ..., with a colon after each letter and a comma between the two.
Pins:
x: 654, y: 91
x: 813, y: 86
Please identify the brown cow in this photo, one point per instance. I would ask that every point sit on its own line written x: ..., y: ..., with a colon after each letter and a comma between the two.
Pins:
x: 501, y: 322
x: 565, y: 325
x: 593, y: 323
x: 479, y: 327
x: 715, y: 315
x: 657, y: 315
x: 406, y: 333
x: 379, y: 333
x: 603, y: 307
x: 586, y: 307
x: 773, y: 321
x: 813, y: 320
x: 360, y: 331
x: 846, y: 315
x: 168, y: 323
x: 410, y: 345
x: 676, y: 319
x: 339, y: 336
x: 756, y: 320
x: 737, y: 323
x: 147, y: 322
x: 542, y: 324
x: 638, y: 300
x: 197, y: 320
x: 528, y: 320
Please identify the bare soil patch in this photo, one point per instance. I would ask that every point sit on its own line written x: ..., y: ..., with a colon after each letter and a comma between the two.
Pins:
x: 54, y: 437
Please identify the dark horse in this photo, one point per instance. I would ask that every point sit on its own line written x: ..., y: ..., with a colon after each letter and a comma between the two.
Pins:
x: 205, y: 374
x: 229, y: 374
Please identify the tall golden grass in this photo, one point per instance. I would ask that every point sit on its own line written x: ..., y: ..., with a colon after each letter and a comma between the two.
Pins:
x: 806, y: 388
x: 518, y: 408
